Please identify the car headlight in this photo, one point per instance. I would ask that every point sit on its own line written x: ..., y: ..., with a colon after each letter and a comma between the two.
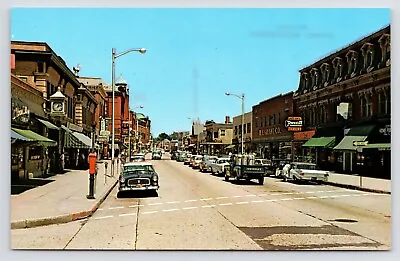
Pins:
x: 122, y: 179
x: 155, y: 178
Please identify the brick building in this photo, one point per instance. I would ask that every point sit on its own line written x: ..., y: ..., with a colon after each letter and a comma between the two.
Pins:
x: 121, y: 113
x: 345, y: 98
x: 271, y: 138
x: 97, y: 87
x: 38, y: 65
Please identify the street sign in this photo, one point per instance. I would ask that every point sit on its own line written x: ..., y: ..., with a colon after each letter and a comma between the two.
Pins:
x: 360, y: 143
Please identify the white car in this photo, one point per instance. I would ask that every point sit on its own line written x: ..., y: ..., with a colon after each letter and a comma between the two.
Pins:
x: 304, y: 171
x: 196, y: 161
x: 218, y: 167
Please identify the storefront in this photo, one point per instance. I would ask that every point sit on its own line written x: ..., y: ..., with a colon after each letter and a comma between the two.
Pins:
x: 301, y: 153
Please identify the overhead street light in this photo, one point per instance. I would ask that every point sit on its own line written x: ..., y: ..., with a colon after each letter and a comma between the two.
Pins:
x: 114, y: 56
x: 242, y: 98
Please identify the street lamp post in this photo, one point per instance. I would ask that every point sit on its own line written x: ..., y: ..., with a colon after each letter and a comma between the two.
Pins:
x: 114, y: 57
x: 242, y: 98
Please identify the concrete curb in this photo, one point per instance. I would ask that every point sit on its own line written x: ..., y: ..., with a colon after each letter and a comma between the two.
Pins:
x: 29, y: 223
x: 356, y: 187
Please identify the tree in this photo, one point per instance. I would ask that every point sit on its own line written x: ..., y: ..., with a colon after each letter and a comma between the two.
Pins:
x: 163, y: 136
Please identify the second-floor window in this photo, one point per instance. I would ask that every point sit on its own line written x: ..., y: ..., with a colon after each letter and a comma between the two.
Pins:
x: 222, y: 132
x: 366, y: 106
x: 248, y: 127
x: 70, y: 108
x: 236, y: 128
x: 215, y: 134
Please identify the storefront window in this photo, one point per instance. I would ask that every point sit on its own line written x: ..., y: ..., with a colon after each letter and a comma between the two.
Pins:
x: 35, y: 153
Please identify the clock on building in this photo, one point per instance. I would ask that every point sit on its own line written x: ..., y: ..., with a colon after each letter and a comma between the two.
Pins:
x: 57, y: 106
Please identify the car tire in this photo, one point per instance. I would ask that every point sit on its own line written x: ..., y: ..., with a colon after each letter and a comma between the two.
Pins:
x: 226, y: 178
x: 261, y: 181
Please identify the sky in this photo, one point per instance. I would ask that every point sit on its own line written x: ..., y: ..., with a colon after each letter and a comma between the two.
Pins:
x: 196, y: 55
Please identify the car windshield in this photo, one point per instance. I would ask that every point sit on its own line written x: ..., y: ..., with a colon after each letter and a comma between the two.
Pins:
x: 137, y: 168
x: 136, y: 158
x: 222, y: 161
x: 199, y: 158
x: 306, y: 166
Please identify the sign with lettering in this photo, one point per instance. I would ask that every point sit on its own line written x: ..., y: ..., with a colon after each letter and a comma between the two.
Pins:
x: 386, y: 131
x: 303, y: 135
x: 19, y: 111
x: 294, y: 123
x: 270, y: 131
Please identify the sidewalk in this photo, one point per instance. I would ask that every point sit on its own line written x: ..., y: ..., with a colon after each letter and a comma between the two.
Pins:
x: 62, y: 200
x: 360, y: 183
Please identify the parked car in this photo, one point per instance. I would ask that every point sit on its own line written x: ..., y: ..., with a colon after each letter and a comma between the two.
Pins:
x: 196, y: 162
x: 181, y: 156
x: 187, y: 160
x: 218, y: 167
x: 205, y: 164
x: 304, y: 171
x: 138, y: 176
x: 269, y: 167
x: 138, y: 158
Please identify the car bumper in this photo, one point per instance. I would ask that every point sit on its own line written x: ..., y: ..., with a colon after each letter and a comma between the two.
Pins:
x: 141, y: 188
x: 310, y: 178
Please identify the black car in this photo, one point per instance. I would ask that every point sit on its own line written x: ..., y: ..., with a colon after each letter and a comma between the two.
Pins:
x: 138, y: 176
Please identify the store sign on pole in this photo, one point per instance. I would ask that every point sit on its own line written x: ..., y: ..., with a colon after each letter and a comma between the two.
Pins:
x: 294, y: 123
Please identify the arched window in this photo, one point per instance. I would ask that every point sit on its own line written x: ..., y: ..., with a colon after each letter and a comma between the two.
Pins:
x: 364, y: 108
x: 382, y: 103
x: 369, y: 105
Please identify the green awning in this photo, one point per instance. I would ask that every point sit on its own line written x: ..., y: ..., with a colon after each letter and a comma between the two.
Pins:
x: 325, y: 142
x: 48, y: 124
x: 347, y: 142
x: 38, y: 139
x: 379, y: 146
x: 361, y: 130
x: 72, y: 141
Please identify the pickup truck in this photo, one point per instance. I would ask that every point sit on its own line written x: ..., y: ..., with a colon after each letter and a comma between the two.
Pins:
x: 243, y: 167
x: 218, y: 167
x: 304, y: 171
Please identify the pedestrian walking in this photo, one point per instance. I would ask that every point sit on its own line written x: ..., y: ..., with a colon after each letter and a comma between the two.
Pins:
x: 62, y: 160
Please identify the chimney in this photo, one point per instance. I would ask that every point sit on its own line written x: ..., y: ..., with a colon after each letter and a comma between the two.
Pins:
x: 227, y: 119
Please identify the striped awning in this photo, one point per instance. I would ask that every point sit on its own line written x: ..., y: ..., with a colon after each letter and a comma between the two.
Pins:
x: 29, y: 135
x: 72, y: 140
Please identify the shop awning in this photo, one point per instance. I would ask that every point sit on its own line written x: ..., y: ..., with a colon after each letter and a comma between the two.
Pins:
x: 347, y: 142
x: 325, y: 142
x: 379, y: 146
x: 72, y: 141
x: 18, y: 137
x: 230, y: 147
x: 36, y: 138
x: 83, y: 138
x: 48, y: 124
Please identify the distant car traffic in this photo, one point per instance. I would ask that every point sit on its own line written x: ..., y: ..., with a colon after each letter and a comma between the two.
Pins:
x: 156, y: 155
x: 138, y: 176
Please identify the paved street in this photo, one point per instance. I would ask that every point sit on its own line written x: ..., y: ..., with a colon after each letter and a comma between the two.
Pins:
x: 199, y: 211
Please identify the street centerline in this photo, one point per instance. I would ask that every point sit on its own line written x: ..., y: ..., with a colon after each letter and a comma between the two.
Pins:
x: 129, y: 214
x: 104, y: 217
x: 149, y: 212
